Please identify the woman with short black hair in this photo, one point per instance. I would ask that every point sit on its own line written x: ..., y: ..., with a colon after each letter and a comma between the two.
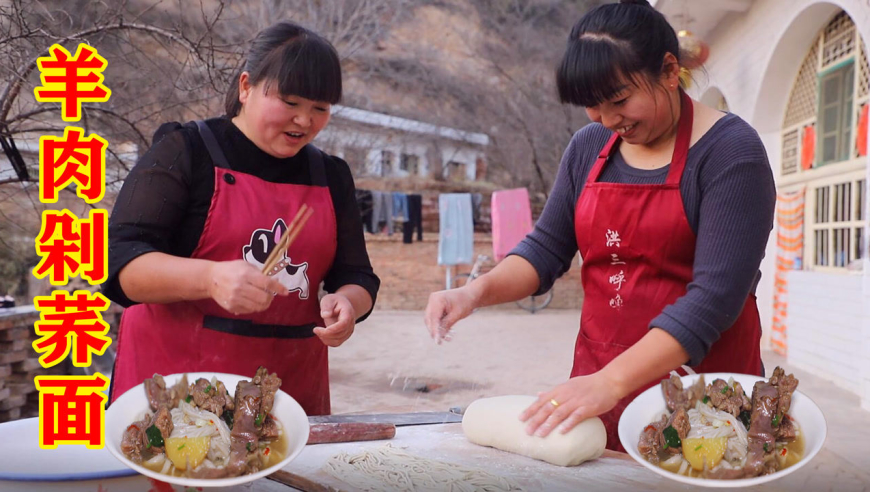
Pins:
x: 200, y: 213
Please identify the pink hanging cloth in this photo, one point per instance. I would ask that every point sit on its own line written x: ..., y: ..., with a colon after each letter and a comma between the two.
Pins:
x: 511, y: 220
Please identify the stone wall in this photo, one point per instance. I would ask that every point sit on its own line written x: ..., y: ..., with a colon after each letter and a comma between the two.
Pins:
x: 19, y: 363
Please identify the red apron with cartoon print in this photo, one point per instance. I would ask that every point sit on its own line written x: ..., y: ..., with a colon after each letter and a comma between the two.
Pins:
x: 246, y: 218
x: 638, y: 253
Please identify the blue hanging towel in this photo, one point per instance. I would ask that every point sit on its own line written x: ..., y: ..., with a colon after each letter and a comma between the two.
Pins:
x: 400, y: 206
x: 456, y: 236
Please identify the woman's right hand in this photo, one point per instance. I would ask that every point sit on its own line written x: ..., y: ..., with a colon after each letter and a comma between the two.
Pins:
x: 445, y: 308
x: 240, y: 288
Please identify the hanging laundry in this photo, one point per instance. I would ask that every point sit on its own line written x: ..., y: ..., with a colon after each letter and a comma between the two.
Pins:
x: 511, y: 220
x: 415, y: 219
x: 400, y: 206
x: 382, y: 211
x: 476, y: 202
x: 456, y: 236
x: 364, y: 202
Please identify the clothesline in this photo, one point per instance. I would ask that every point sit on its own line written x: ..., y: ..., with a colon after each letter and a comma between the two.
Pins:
x: 384, y: 211
x: 380, y: 210
x: 458, y: 213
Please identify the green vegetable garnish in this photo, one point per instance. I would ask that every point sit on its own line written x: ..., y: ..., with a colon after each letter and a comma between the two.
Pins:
x: 725, y: 390
x: 248, y: 447
x: 208, y: 388
x: 745, y: 417
x: 672, y: 438
x: 776, y: 419
x: 155, y: 438
x: 179, y: 447
x: 228, y: 418
x: 699, y: 447
x: 189, y: 398
x: 259, y: 420
x: 706, y: 399
x: 766, y: 445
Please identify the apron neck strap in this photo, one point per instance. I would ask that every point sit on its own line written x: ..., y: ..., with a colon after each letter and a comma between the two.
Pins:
x: 681, y: 146
x: 313, y: 155
x: 316, y: 165
x: 211, y: 144
x: 684, y: 138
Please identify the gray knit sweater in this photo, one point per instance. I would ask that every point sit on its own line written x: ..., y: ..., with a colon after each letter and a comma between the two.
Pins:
x: 729, y: 197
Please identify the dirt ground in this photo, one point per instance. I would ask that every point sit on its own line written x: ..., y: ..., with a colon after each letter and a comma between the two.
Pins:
x: 391, y: 365
x: 410, y: 272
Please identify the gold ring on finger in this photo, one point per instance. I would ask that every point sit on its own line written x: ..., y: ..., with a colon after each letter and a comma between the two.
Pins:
x: 554, y: 402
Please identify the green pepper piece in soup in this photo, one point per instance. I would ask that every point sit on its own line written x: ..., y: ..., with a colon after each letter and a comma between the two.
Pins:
x: 672, y: 438
x: 155, y: 438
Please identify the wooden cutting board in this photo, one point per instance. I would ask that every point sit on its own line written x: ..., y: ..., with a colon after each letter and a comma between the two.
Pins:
x: 613, y: 471
x: 448, y: 443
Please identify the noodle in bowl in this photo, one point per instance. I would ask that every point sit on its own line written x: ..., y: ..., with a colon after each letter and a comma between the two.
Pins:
x: 710, y: 423
x: 192, y: 422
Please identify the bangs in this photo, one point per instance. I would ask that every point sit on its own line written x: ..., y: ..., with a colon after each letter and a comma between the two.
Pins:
x: 594, y: 70
x: 306, y: 66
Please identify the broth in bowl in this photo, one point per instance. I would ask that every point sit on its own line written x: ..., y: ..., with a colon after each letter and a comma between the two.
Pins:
x: 199, y: 430
x: 739, y: 430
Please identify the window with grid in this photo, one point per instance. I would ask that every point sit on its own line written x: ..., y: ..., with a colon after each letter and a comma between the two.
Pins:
x: 837, y: 228
x: 387, y: 158
x: 833, y: 82
x: 456, y: 171
x: 410, y: 163
x: 834, y: 137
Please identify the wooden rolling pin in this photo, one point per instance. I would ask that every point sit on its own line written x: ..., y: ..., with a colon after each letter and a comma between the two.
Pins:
x: 349, y: 432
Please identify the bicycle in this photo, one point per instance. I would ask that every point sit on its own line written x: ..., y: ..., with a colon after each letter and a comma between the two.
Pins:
x: 531, y: 304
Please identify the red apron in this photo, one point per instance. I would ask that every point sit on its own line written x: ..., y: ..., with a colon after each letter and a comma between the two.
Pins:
x: 638, y: 250
x: 246, y: 218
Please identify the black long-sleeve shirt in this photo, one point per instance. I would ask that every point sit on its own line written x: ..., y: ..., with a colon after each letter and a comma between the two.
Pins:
x: 165, y: 199
x: 729, y: 197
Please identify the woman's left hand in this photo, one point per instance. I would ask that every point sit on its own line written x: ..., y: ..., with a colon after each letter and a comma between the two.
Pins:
x: 570, y: 403
x: 340, y: 318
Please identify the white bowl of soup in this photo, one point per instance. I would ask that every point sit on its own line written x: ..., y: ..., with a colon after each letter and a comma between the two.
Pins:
x: 134, y: 404
x: 651, y: 406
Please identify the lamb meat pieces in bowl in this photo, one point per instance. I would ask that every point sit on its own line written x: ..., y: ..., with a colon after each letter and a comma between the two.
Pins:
x: 716, y: 431
x: 199, y: 430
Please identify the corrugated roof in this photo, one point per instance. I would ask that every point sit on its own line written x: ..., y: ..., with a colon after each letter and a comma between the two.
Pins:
x: 408, y: 125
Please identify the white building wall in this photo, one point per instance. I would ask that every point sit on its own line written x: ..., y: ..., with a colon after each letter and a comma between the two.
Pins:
x: 467, y: 157
x: 342, y: 139
x: 374, y: 159
x: 825, y: 326
x: 754, y: 59
x: 864, y: 359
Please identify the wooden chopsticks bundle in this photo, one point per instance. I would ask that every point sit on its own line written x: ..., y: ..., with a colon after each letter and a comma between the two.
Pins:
x: 293, y: 230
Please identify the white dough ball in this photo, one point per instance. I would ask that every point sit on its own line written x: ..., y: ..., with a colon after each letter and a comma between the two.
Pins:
x: 495, y: 422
